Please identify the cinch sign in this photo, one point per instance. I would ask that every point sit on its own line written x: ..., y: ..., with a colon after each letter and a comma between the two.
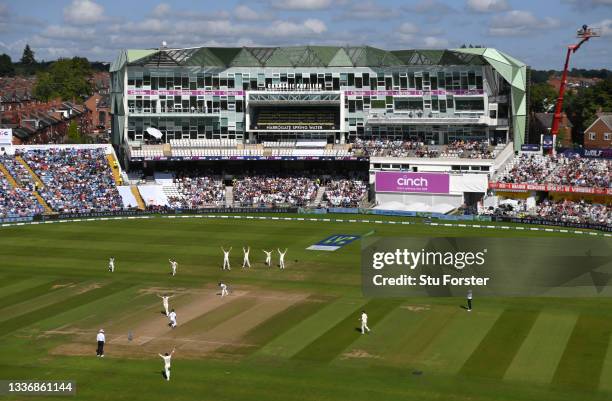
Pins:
x: 433, y: 183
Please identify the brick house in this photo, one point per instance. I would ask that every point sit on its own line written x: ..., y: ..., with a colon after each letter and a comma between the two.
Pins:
x: 98, y: 108
x: 599, y: 134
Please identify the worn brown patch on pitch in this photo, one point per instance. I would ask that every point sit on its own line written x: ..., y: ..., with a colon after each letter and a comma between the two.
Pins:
x: 152, y: 335
x: 416, y: 308
x: 358, y: 353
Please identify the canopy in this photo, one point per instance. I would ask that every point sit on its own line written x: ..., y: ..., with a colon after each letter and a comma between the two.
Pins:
x: 154, y: 132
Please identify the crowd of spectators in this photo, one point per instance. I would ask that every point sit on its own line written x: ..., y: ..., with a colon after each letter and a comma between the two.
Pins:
x: 17, y: 202
x: 75, y: 180
x: 342, y: 192
x: 200, y: 191
x: 468, y: 150
x: 416, y: 148
x: 560, y: 170
x: 565, y: 211
x: 582, y: 172
x: 387, y: 147
x: 529, y: 169
x: 256, y: 190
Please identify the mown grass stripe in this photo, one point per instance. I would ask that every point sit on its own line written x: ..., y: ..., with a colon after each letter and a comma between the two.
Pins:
x: 307, y: 331
x: 605, y: 380
x: 20, y: 284
x: 32, y: 292
x: 458, y: 339
x: 218, y: 315
x: 60, y: 307
x: 274, y: 326
x: 329, y: 345
x: 582, y: 362
x: 498, y: 348
x: 538, y: 357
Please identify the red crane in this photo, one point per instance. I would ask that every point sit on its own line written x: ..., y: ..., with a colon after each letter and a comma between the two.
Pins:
x: 585, y: 33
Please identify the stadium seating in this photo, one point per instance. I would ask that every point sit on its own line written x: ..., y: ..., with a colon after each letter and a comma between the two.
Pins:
x: 562, y: 211
x: 17, y: 202
x: 574, y: 171
x: 257, y: 190
x: 342, y: 192
x: 75, y: 180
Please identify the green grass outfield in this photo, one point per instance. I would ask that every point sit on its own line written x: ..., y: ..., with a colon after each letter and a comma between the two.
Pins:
x: 292, y: 334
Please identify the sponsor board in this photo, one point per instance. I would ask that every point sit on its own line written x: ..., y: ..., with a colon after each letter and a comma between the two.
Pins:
x: 405, y: 182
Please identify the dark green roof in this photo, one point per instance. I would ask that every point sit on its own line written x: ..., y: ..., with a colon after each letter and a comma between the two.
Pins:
x: 299, y: 56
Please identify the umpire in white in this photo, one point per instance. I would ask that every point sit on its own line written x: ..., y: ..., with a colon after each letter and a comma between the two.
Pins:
x: 101, y: 339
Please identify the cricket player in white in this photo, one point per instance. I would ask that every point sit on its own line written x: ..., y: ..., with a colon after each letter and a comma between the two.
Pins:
x: 167, y: 357
x: 173, y: 266
x: 172, y: 317
x: 223, y: 289
x: 364, y: 322
x: 226, y: 263
x: 111, y: 264
x: 165, y: 299
x: 245, y: 261
x: 268, y: 257
x: 281, y: 262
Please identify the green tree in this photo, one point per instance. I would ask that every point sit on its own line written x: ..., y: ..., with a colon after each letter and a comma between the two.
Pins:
x: 28, y: 56
x: 543, y: 97
x: 74, y: 136
x: 6, y: 66
x: 66, y: 79
x: 583, y: 105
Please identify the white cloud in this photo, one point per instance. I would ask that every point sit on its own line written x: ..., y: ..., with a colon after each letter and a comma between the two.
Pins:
x: 520, y: 23
x: 83, y: 12
x: 429, y: 7
x: 292, y: 29
x: 302, y: 5
x: 408, y: 28
x: 605, y: 27
x: 486, y: 6
x: 243, y: 12
x: 435, y: 42
x: 584, y: 5
x: 161, y: 10
x: 368, y: 10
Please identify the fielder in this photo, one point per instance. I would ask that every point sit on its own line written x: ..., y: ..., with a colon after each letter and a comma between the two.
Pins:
x: 224, y: 291
x: 469, y: 300
x: 167, y: 357
x: 268, y: 257
x: 165, y: 299
x: 364, y: 322
x: 111, y: 264
x: 173, y: 266
x: 172, y: 317
x: 245, y: 261
x: 226, y: 263
x: 281, y: 255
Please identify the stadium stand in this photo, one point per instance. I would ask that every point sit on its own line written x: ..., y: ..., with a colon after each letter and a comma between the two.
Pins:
x: 75, y: 180
x: 256, y: 190
x: 557, y: 211
x: 17, y: 201
x: 195, y: 191
x: 343, y: 192
x: 575, y: 171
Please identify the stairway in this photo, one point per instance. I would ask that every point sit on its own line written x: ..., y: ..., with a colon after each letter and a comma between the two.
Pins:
x: 229, y: 196
x: 114, y: 166
x: 39, y: 184
x: 319, y: 197
x: 35, y: 177
x: 9, y: 177
x: 139, y: 200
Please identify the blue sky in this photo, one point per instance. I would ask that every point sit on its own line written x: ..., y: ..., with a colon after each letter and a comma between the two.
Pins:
x: 535, y: 31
